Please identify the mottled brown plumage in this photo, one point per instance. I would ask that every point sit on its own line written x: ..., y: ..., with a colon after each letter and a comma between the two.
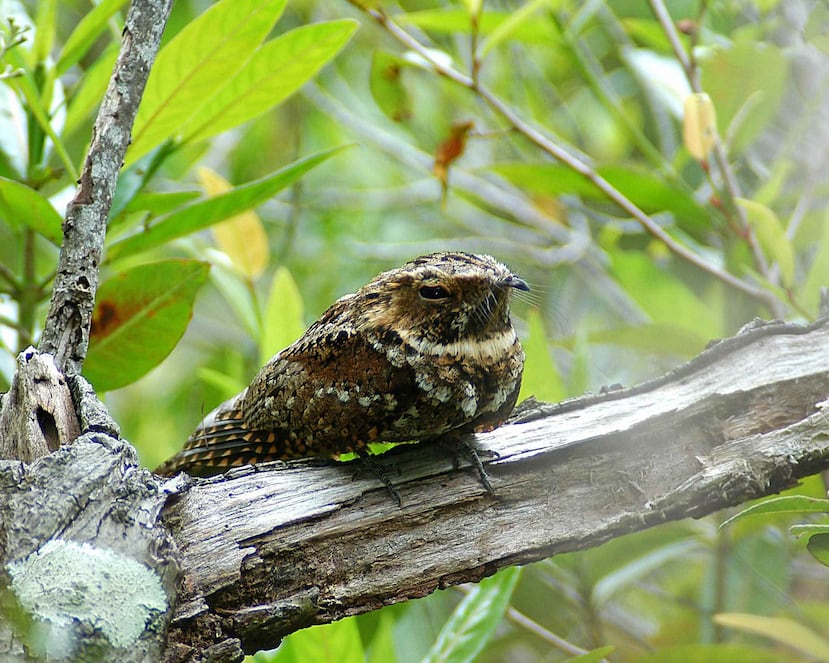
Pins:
x: 419, y: 352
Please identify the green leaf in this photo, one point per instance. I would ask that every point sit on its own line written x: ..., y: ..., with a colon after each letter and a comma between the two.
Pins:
x: 85, y: 33
x: 773, y: 185
x: 652, y: 338
x: 205, y: 212
x: 473, y: 7
x: 778, y: 629
x: 283, y: 321
x: 195, y: 65
x: 711, y: 653
x: 665, y: 298
x: 387, y: 89
x: 159, y: 202
x: 225, y: 385
x: 808, y: 529
x: 475, y: 619
x: 381, y: 648
x: 242, y: 238
x: 648, y: 33
x: 44, y: 32
x: 239, y: 295
x: 772, y: 237
x: 453, y: 21
x: 647, y: 190
x: 818, y: 546
x: 640, y: 567
x: 541, y: 377
x: 274, y: 72
x: 87, y: 96
x: 139, y: 317
x: 581, y: 358
x: 337, y: 642
x: 36, y: 100
x: 747, y: 82
x: 508, y: 27
x: 785, y: 504
x: 20, y: 205
x: 593, y: 656
x: 417, y: 624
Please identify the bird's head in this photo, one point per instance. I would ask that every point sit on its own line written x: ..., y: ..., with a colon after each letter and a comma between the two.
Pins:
x: 441, y: 298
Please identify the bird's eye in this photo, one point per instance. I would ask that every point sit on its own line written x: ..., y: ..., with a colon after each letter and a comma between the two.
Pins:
x: 433, y: 292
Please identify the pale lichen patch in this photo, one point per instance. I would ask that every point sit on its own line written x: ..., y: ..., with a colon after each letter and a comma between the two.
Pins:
x: 64, y: 584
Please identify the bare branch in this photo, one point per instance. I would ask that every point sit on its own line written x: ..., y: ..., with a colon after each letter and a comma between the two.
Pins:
x: 267, y: 552
x: 66, y: 332
x: 264, y: 552
x: 732, y: 190
x: 577, y: 163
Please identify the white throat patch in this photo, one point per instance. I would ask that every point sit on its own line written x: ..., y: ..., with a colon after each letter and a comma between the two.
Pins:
x: 468, y: 348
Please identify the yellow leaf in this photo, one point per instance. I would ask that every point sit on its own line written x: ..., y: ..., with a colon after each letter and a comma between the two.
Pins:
x: 242, y: 238
x: 779, y: 629
x: 474, y: 8
x: 699, y: 125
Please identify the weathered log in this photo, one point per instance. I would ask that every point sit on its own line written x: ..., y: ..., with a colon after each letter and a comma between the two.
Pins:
x: 267, y: 551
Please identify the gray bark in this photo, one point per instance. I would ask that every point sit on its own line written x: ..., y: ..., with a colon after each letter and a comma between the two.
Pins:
x: 87, y: 572
x: 101, y: 560
x: 66, y: 332
x: 36, y: 414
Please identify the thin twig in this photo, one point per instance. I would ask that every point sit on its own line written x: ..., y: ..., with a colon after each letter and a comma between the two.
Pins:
x: 9, y: 277
x: 556, y: 641
x: 520, y: 619
x: 508, y: 201
x: 66, y: 332
x: 732, y: 189
x: 547, y: 145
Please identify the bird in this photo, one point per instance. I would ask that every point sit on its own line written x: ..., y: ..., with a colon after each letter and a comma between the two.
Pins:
x: 426, y: 351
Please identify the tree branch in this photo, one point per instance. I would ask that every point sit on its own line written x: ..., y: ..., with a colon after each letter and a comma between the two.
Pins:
x: 566, y: 156
x: 271, y: 550
x: 731, y: 188
x: 66, y: 332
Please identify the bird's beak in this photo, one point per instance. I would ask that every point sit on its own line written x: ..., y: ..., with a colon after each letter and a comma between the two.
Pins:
x: 514, y: 282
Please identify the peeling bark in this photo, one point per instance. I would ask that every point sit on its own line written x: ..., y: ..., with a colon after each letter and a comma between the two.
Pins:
x: 37, y: 414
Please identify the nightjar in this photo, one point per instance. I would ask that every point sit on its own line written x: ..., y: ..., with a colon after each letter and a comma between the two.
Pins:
x: 425, y: 351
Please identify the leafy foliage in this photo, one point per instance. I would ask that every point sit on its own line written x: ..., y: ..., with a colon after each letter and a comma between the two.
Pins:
x: 140, y: 315
x: 577, y: 123
x: 474, y: 621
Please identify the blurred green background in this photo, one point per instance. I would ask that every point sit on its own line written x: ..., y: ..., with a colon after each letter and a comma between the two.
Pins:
x: 601, y: 81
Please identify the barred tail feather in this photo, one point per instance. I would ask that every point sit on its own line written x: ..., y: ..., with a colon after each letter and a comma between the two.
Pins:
x: 221, y: 441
